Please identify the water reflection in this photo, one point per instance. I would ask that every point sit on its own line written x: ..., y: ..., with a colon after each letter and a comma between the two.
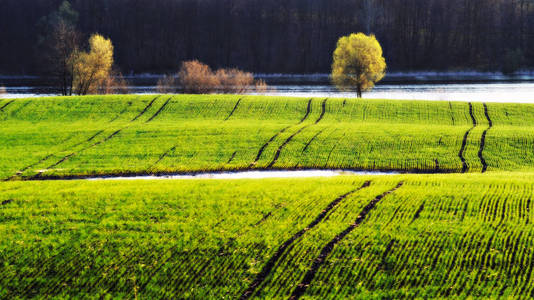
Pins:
x: 466, y: 86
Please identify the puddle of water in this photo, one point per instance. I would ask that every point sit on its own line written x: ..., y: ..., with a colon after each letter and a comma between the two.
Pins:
x: 253, y: 175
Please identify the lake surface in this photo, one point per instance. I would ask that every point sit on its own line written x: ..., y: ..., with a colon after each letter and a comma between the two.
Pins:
x: 463, y: 86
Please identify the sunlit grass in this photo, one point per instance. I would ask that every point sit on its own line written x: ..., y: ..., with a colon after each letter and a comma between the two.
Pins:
x: 95, y: 135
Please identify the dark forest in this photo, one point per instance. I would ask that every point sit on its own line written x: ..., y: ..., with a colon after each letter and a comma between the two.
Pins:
x: 282, y: 36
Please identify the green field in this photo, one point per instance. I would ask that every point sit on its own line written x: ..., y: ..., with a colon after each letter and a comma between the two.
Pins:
x: 107, y: 135
x: 466, y: 232
x: 436, y: 235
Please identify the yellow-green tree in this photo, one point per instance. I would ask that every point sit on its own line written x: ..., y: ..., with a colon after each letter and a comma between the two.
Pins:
x: 358, y: 62
x: 91, y: 69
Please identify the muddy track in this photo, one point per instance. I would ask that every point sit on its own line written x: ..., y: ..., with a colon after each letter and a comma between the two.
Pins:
x: 66, y: 157
x: 18, y: 173
x: 161, y: 157
x: 107, y: 138
x: 267, y: 268
x: 323, y: 111
x: 145, y: 109
x: 6, y: 202
x: 308, y: 111
x: 159, y: 110
x: 311, y: 140
x: 5, y: 105
x: 465, y: 167
x: 232, y: 157
x: 290, y: 138
x: 73, y: 146
x: 94, y: 136
x: 264, y: 218
x: 120, y: 113
x: 321, y: 259
x: 260, y: 152
x: 233, y: 110
x: 418, y: 213
x: 452, y: 114
x: 483, y: 140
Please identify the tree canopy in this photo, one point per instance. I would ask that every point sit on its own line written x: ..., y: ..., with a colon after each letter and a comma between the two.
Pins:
x: 358, y: 62
x: 92, y: 68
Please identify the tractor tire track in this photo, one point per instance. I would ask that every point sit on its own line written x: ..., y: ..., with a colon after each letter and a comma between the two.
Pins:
x: 6, y: 202
x: 418, y: 213
x: 290, y: 138
x: 262, y: 149
x: 159, y: 110
x: 311, y: 140
x: 321, y: 259
x: 21, y: 171
x: 233, y: 110
x: 465, y: 167
x: 483, y: 139
x: 161, y: 157
x: 83, y: 149
x: 6, y: 105
x: 268, y: 267
x: 308, y: 111
x: 232, y: 157
x: 115, y: 133
x: 323, y: 111
x: 166, y: 153
x: 145, y: 109
x: 18, y: 173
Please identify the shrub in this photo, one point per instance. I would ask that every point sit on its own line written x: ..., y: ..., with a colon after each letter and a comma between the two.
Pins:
x: 197, y: 78
x: 115, y: 83
x: 168, y: 84
x: 234, y: 80
x: 262, y: 87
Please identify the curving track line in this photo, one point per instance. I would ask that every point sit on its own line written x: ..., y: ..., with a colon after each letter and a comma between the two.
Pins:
x: 483, y: 140
x: 465, y: 167
x: 115, y: 133
x: 321, y: 259
x: 269, y: 266
x: 260, y: 152
x: 288, y: 140
x: 233, y: 110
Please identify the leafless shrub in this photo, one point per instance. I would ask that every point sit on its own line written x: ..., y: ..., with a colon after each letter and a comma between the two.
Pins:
x: 2, y: 90
x: 197, y: 78
x: 234, y: 81
x: 261, y: 86
x: 167, y: 84
x: 115, y: 83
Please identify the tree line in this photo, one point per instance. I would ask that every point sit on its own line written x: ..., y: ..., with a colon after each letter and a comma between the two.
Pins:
x: 281, y: 36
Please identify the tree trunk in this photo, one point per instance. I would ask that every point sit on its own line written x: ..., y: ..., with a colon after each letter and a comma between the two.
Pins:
x: 359, y: 90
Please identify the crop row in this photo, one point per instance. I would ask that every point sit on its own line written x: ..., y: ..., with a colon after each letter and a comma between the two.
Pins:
x: 435, y: 236
x: 138, y: 135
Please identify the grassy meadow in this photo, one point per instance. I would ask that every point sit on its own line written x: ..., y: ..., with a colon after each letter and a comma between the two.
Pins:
x: 428, y: 236
x: 109, y: 135
x: 463, y: 231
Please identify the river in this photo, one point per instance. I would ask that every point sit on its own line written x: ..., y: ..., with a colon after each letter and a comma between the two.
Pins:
x: 461, y: 86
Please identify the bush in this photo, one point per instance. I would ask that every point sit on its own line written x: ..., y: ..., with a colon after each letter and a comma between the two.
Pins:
x: 262, y: 87
x: 168, y: 84
x: 234, y: 80
x: 197, y: 78
x: 115, y: 84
